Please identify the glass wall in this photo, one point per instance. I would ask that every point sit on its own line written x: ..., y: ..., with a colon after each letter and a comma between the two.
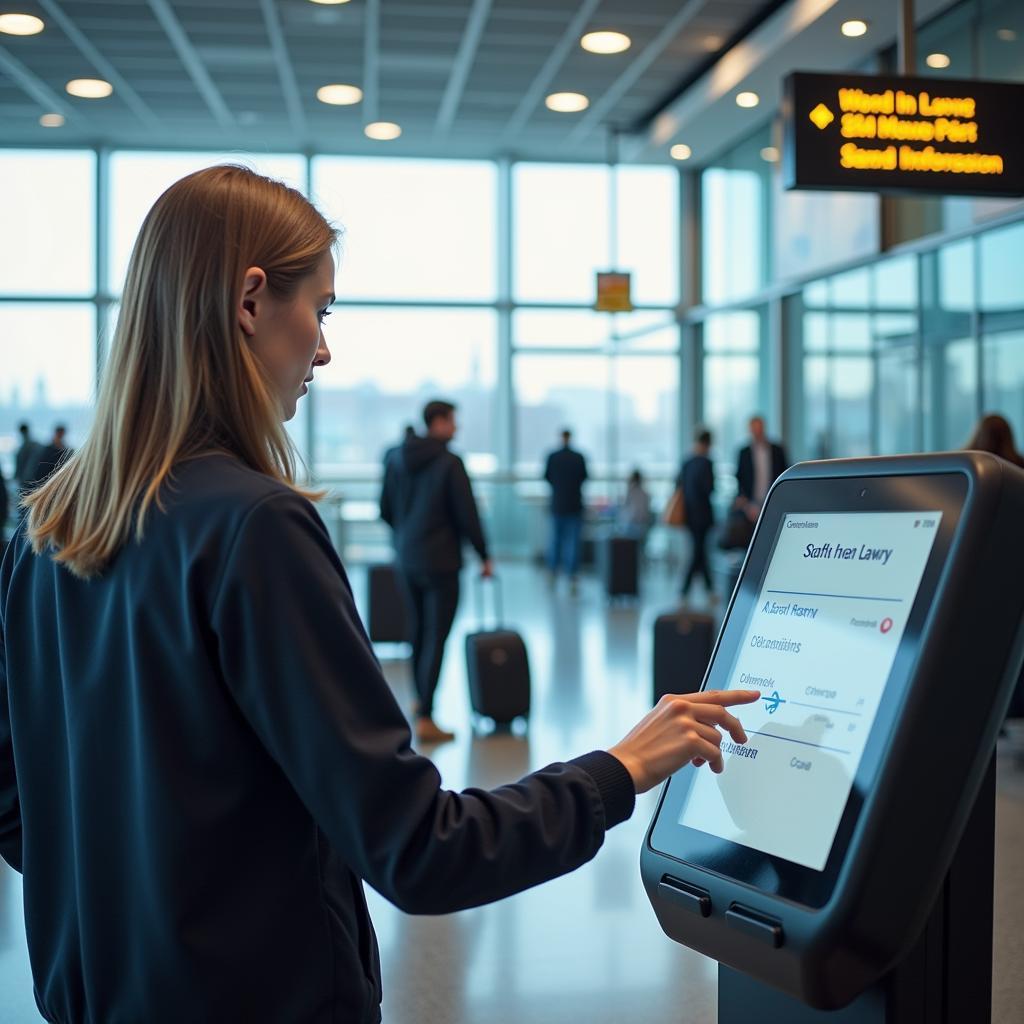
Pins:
x: 907, y: 353
x: 423, y: 308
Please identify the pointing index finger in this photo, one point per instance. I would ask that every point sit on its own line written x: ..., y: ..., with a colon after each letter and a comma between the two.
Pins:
x: 725, y: 698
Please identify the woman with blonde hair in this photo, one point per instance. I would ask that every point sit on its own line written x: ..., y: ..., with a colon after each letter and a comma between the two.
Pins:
x: 200, y: 761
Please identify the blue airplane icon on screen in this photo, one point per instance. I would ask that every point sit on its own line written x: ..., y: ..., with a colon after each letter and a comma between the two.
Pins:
x: 772, y: 703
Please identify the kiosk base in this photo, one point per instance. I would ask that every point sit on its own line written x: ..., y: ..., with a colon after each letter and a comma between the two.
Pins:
x: 945, y: 978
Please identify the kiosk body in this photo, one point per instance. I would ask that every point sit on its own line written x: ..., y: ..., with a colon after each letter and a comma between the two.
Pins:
x: 817, y: 874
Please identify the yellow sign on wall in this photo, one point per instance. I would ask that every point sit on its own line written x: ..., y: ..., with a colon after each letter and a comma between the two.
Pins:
x: 614, y: 292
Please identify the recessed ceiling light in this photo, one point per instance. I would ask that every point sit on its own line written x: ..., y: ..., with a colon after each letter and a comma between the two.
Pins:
x: 339, y: 95
x: 328, y: 3
x: 770, y: 154
x: 1008, y: 35
x: 680, y: 151
x: 854, y: 28
x: 89, y: 88
x: 382, y: 131
x: 567, y: 102
x: 747, y: 99
x: 21, y: 24
x: 606, y: 42
x: 52, y: 120
x: 938, y: 60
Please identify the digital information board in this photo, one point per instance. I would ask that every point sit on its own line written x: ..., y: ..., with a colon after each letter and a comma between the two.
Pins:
x: 888, y: 133
x: 819, y: 645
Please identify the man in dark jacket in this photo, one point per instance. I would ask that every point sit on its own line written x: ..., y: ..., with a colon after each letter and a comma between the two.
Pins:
x: 51, y: 456
x: 27, y: 457
x: 697, y: 481
x: 428, y: 502
x: 759, y: 465
x: 566, y: 472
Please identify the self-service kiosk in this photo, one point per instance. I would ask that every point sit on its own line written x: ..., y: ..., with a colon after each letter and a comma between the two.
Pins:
x: 843, y: 857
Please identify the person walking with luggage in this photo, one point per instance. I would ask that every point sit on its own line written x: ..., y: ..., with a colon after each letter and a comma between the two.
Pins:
x: 566, y: 472
x: 696, y: 483
x: 201, y: 761
x: 427, y: 500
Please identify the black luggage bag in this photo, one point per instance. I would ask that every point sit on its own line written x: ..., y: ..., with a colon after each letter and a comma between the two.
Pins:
x: 498, y: 669
x: 622, y: 566
x: 682, y: 650
x: 388, y: 621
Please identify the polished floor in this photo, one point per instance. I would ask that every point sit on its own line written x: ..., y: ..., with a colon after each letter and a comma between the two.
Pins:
x: 586, y: 947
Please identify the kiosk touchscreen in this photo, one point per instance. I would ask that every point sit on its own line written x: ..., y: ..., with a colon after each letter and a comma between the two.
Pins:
x: 879, y: 615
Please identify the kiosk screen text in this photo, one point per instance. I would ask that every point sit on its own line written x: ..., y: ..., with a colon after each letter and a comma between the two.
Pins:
x: 819, y: 646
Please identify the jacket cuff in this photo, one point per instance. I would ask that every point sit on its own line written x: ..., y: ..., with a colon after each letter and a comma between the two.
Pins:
x: 614, y: 783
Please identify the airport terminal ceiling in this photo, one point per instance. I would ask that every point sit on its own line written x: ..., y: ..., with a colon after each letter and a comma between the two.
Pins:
x: 463, y: 78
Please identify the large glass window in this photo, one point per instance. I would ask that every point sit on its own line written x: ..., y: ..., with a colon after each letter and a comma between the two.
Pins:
x: 386, y: 364
x: 562, y: 233
x: 1003, y: 385
x: 48, y: 355
x: 137, y: 180
x: 48, y: 222
x: 732, y: 381
x: 735, y: 197
x: 413, y: 229
x: 555, y: 392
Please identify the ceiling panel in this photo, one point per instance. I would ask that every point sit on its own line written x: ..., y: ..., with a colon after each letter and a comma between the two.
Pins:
x: 229, y: 58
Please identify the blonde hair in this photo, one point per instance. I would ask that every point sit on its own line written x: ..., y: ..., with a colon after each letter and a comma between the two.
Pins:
x: 181, y: 379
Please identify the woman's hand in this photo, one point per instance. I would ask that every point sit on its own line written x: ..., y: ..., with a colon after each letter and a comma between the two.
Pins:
x: 678, y: 730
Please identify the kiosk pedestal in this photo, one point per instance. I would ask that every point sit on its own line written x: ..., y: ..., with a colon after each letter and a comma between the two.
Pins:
x: 945, y: 978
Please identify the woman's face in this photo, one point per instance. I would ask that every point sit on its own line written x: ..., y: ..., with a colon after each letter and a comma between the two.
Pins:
x: 286, y: 334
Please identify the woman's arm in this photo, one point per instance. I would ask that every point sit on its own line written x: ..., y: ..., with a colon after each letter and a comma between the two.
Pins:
x: 294, y: 655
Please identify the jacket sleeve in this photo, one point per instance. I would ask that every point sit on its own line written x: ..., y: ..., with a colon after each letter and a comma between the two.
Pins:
x: 584, y: 474
x: 745, y: 474
x: 10, y: 805
x: 297, y: 662
x: 463, y: 507
x: 387, y: 496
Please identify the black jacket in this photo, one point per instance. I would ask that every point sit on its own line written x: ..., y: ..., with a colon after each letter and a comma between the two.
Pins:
x: 745, y: 469
x: 566, y: 471
x: 697, y: 482
x: 25, y: 462
x: 428, y: 501
x: 48, y: 462
x: 200, y: 762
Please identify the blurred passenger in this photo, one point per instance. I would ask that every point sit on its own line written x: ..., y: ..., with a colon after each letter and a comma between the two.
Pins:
x: 428, y: 502
x: 27, y: 457
x: 4, y: 511
x: 759, y: 465
x: 994, y: 434
x: 634, y: 518
x: 201, y: 762
x: 696, y: 483
x: 566, y: 472
x: 52, y: 456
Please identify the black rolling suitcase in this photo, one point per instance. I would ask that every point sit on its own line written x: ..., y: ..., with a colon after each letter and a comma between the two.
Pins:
x: 498, y: 669
x: 388, y: 621
x: 682, y: 650
x: 622, y: 566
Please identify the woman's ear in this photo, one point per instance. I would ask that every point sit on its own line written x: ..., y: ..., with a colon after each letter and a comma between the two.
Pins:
x: 253, y: 289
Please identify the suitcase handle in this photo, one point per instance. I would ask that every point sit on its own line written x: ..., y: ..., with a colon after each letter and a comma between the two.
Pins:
x: 499, y: 601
